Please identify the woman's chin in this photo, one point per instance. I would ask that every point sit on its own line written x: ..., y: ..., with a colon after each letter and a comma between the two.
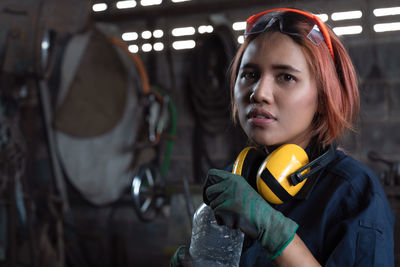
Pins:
x: 263, y: 142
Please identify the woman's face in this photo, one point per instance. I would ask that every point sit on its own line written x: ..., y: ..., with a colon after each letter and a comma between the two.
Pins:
x: 275, y: 92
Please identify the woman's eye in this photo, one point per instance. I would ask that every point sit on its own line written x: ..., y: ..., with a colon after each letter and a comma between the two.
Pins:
x: 250, y: 75
x: 286, y: 77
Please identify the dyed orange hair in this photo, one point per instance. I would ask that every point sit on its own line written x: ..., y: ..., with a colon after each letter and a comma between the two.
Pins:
x: 338, y: 96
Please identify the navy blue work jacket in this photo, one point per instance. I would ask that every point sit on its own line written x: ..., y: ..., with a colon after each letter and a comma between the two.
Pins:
x: 345, y: 219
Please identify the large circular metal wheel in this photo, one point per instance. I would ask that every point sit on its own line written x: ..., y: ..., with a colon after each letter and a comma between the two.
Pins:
x: 147, y: 193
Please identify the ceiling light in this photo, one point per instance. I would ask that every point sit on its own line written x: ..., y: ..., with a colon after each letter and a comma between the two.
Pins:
x: 239, y: 26
x: 126, y: 4
x: 158, y: 46
x: 147, y: 47
x: 99, y: 7
x: 146, y: 35
x: 187, y: 44
x: 323, y: 17
x: 209, y: 29
x: 387, y: 27
x: 348, y: 30
x: 129, y: 36
x: 202, y: 29
x: 133, y: 48
x: 158, y: 33
x: 205, y: 29
x: 389, y: 11
x: 150, y: 2
x: 183, y: 31
x: 356, y: 14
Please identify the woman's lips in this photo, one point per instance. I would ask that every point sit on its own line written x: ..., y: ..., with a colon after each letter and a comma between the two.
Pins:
x: 260, y: 117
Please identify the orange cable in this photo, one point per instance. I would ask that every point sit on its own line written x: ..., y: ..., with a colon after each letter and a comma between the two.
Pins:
x: 138, y: 62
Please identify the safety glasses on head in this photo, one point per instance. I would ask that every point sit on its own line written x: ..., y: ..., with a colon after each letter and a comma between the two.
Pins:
x: 262, y: 21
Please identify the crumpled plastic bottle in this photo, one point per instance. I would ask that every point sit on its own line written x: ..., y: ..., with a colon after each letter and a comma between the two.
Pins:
x: 214, y: 245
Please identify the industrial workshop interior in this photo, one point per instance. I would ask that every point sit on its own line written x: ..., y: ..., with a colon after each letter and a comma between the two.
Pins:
x: 113, y: 112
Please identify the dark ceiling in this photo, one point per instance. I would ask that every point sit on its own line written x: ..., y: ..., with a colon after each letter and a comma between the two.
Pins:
x: 170, y: 10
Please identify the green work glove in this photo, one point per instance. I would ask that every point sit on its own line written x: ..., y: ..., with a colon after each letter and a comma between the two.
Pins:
x: 181, y: 258
x: 237, y: 205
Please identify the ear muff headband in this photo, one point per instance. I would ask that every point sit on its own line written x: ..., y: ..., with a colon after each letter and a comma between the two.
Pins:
x: 315, y: 166
x: 274, y: 175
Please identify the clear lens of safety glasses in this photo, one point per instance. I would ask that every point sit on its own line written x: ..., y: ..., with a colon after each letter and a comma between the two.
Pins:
x: 262, y: 24
x: 315, y: 35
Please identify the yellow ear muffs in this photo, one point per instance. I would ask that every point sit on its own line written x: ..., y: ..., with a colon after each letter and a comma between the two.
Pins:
x: 283, y: 173
x: 247, y: 163
x: 271, y: 175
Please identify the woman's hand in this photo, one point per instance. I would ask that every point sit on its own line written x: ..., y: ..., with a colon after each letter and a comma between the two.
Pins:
x: 237, y: 205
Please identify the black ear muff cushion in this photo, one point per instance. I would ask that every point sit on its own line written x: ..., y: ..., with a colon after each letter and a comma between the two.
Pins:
x: 251, y: 163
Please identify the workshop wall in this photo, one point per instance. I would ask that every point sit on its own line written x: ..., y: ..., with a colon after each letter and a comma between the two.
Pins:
x: 377, y: 141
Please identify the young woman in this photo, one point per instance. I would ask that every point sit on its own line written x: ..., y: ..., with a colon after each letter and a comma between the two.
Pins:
x: 293, y: 83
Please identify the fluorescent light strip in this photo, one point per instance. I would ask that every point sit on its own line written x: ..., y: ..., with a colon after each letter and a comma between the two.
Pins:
x: 183, y: 31
x: 356, y: 14
x: 158, y: 46
x: 202, y: 29
x: 389, y: 11
x: 133, y: 48
x: 205, y: 29
x: 126, y: 4
x: 147, y: 47
x: 99, y: 7
x: 146, y: 35
x: 129, y: 36
x: 187, y: 44
x: 348, y: 30
x: 387, y: 27
x: 239, y: 26
x: 178, y: 1
x: 150, y: 2
x: 323, y: 17
x: 158, y: 33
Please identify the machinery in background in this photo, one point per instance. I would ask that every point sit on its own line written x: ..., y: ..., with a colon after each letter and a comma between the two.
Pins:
x: 33, y: 199
x: 42, y: 56
x: 390, y: 176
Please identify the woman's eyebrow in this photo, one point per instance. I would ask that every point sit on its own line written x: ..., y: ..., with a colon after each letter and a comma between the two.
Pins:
x: 285, y: 67
x: 249, y: 66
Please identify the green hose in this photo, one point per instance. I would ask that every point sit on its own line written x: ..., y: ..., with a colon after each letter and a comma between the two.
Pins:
x: 172, y: 132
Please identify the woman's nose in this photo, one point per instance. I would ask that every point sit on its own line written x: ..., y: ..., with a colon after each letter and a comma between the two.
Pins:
x: 262, y: 91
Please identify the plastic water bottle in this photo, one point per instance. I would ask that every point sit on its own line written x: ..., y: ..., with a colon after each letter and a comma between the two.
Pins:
x: 214, y: 245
